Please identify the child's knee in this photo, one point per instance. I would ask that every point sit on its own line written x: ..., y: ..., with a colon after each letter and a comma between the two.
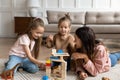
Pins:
x: 32, y: 69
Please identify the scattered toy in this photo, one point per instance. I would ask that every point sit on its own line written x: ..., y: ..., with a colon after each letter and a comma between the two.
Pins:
x: 9, y: 74
x: 105, y: 78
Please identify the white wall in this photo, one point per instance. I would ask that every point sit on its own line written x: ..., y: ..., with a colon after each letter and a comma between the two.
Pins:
x: 11, y: 8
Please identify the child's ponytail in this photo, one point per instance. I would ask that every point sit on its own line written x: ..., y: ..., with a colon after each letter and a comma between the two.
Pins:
x: 65, y: 18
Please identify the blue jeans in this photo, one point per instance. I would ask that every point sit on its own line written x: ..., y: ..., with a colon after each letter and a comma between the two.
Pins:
x: 114, y: 58
x: 26, y: 64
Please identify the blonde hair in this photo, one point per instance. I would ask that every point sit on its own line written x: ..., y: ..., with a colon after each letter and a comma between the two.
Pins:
x: 33, y: 25
x: 65, y: 18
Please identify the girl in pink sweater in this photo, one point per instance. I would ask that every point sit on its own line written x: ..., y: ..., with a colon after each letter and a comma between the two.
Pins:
x: 91, y: 57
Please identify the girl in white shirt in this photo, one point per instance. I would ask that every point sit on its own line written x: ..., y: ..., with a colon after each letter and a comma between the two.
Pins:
x: 26, y: 48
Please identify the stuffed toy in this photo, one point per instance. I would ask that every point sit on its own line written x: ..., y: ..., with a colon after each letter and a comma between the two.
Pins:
x: 105, y: 78
x: 9, y: 74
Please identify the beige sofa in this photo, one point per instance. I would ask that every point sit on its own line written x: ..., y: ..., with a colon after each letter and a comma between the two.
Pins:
x: 105, y: 24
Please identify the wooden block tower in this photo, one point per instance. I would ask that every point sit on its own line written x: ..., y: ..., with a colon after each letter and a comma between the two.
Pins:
x: 48, y: 68
x: 59, y: 72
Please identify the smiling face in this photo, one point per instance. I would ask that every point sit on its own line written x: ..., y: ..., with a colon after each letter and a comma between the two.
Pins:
x: 78, y: 43
x: 64, y: 28
x: 37, y: 32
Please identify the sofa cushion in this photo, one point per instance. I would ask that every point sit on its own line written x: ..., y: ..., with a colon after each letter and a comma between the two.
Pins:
x: 107, y: 36
x: 102, y: 18
x: 54, y: 29
x: 51, y: 28
x: 105, y: 29
x: 75, y: 27
x: 54, y: 16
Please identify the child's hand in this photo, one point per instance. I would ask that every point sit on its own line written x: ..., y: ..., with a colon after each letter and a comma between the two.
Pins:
x: 49, y: 41
x: 42, y: 66
x: 77, y: 55
x: 49, y: 38
x: 82, y: 75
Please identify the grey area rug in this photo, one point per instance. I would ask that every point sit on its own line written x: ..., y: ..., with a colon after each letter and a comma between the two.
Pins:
x: 113, y: 74
x: 22, y: 75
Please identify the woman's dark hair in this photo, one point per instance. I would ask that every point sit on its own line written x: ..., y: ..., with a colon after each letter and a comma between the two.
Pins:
x: 33, y: 25
x: 87, y: 37
x: 65, y: 18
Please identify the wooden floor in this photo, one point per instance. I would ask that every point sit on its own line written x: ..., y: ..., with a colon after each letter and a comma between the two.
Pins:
x: 6, y: 43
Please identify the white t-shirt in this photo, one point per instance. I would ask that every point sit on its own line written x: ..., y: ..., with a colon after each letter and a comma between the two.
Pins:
x: 17, y: 49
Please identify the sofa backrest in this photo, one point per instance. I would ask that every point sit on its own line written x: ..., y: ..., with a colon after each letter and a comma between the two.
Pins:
x: 102, y: 18
x: 54, y: 16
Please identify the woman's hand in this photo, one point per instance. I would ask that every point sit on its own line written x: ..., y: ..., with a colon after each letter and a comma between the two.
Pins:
x: 77, y: 55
